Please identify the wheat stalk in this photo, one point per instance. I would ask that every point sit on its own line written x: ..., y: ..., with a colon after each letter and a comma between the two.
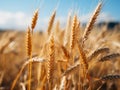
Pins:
x: 63, y: 83
x: 33, y: 60
x: 29, y: 53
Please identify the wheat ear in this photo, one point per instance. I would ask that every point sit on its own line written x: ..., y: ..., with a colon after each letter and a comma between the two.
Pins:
x: 83, y: 56
x: 83, y: 62
x: 66, y: 52
x: 29, y: 42
x: 72, y: 44
x: 109, y: 57
x: 71, y: 70
x: 97, y: 52
x: 51, y: 62
x: 52, y: 18
x: 91, y: 22
x: 110, y: 77
x: 34, y: 20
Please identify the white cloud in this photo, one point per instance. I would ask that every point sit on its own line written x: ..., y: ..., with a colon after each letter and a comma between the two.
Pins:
x: 13, y: 20
x: 20, y: 20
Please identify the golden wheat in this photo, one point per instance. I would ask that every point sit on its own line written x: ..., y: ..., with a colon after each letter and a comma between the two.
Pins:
x: 52, y: 18
x: 65, y: 61
x: 34, y: 20
x: 51, y: 62
x: 91, y: 22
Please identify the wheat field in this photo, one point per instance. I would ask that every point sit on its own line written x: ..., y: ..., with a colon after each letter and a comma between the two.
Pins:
x: 73, y: 58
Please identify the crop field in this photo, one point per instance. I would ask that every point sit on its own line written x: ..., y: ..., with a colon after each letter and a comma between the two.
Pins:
x: 75, y: 57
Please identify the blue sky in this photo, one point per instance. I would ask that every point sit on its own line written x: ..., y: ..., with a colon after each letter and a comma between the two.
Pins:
x: 18, y: 13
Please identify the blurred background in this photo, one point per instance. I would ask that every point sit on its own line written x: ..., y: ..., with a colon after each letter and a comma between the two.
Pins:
x: 16, y: 14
